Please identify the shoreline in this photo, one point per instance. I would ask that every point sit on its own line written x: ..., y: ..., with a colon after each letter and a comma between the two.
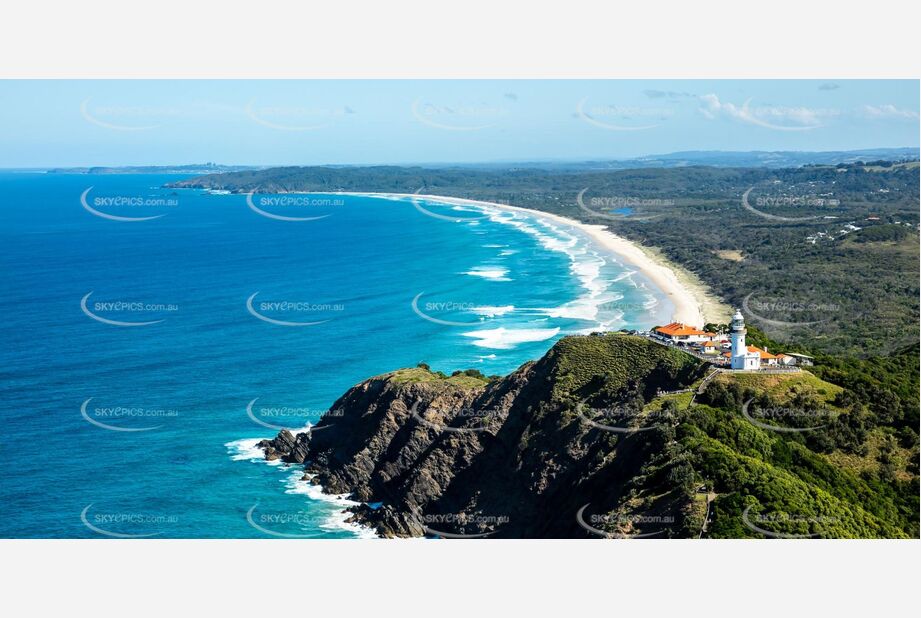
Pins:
x: 693, y: 302
x: 247, y: 449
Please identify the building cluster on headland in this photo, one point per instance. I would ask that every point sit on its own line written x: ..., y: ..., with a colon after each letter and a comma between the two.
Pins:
x: 727, y: 347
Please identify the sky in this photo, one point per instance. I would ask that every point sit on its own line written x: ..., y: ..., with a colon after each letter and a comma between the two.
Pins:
x: 315, y: 122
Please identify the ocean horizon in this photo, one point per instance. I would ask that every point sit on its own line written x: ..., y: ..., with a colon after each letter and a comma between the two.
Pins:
x: 154, y: 336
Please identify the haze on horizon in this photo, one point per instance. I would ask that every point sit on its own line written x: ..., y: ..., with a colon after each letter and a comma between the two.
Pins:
x: 267, y: 123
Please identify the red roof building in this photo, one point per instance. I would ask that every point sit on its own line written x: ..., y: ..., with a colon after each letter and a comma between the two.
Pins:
x: 766, y: 357
x: 678, y: 331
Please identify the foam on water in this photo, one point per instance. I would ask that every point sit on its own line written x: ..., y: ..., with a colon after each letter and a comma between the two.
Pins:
x: 507, y: 338
x: 492, y: 312
x: 338, y: 515
x: 587, y: 265
x: 494, y: 273
x: 246, y: 450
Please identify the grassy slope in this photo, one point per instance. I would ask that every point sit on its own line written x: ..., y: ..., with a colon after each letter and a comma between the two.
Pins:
x: 578, y: 362
x: 781, y: 386
x: 777, y: 476
x: 421, y: 374
x: 774, y: 475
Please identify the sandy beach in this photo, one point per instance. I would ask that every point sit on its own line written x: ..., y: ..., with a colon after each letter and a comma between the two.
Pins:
x: 693, y: 303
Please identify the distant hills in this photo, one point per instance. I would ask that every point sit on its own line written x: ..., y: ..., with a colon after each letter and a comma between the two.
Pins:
x: 718, y: 158
x: 194, y: 168
x: 713, y: 158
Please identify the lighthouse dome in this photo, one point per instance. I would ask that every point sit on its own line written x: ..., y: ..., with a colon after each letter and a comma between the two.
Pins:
x: 738, y: 322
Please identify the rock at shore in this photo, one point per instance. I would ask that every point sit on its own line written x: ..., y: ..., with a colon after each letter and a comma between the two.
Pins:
x: 286, y: 446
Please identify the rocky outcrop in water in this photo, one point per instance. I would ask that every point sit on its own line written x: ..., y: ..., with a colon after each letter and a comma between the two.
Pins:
x: 286, y: 446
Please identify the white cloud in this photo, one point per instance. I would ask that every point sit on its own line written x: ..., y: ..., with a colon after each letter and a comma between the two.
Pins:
x: 888, y: 111
x: 770, y: 117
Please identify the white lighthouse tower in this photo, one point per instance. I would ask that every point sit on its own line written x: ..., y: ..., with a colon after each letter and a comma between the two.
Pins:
x: 740, y: 357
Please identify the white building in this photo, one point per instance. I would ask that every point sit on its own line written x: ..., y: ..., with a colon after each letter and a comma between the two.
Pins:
x: 799, y: 359
x: 740, y: 356
x: 786, y: 360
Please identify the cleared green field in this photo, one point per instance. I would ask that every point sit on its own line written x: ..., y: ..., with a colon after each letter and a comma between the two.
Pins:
x: 782, y: 387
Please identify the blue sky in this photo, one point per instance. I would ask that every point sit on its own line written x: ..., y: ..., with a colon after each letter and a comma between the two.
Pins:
x: 76, y: 123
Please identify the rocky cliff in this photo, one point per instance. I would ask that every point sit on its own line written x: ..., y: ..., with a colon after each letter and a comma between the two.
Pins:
x: 564, y: 447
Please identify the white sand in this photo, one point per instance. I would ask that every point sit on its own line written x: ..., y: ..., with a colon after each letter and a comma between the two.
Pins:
x: 694, y: 305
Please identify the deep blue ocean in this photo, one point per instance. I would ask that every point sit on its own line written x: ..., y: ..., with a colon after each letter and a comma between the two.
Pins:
x: 139, y: 369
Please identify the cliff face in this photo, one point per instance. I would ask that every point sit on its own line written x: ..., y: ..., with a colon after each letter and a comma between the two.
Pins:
x: 582, y: 444
x: 517, y: 457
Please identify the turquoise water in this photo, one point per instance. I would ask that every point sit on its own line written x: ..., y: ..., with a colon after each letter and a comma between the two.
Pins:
x: 148, y: 430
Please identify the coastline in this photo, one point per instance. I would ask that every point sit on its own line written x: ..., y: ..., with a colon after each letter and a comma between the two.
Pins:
x: 693, y: 302
x: 248, y: 449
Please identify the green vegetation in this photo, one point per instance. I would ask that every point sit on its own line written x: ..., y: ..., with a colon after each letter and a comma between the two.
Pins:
x: 422, y: 373
x: 676, y: 401
x: 633, y: 368
x: 829, y: 454
x: 856, y: 290
x: 475, y: 373
x: 853, y: 472
x: 780, y: 387
x: 882, y: 233
x: 835, y: 275
x: 887, y: 385
x: 792, y: 490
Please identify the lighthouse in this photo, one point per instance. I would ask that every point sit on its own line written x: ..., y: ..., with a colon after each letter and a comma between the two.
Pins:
x: 741, y: 357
